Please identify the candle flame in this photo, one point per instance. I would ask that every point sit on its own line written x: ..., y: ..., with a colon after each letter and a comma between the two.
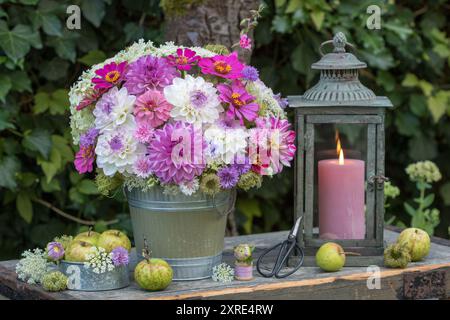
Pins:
x: 341, y: 157
x: 338, y: 143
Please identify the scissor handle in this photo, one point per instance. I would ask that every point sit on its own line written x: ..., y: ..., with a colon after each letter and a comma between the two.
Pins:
x: 261, y: 258
x: 299, y: 264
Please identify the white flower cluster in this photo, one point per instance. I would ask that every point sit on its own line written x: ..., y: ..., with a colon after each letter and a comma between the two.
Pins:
x: 223, y: 144
x: 223, y: 273
x: 32, y: 267
x: 265, y: 98
x: 99, y: 260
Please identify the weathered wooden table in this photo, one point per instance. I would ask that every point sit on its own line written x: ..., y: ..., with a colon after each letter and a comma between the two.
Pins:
x: 422, y: 280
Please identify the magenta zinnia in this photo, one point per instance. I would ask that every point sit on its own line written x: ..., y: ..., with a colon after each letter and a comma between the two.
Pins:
x: 84, y: 159
x: 152, y: 108
x: 241, y: 104
x: 184, y: 59
x: 176, y: 153
x: 110, y: 75
x: 228, y: 67
x: 149, y: 72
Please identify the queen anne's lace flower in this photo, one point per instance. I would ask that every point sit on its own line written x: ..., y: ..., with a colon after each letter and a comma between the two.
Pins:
x: 33, y: 266
x: 99, y: 260
x: 194, y: 100
x: 223, y: 273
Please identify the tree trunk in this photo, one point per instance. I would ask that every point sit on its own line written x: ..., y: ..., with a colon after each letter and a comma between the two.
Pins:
x: 212, y: 22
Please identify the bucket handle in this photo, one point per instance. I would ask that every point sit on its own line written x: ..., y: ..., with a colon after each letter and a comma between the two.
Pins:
x: 230, y: 206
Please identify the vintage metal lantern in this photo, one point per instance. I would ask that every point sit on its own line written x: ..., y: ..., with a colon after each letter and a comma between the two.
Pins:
x: 340, y: 162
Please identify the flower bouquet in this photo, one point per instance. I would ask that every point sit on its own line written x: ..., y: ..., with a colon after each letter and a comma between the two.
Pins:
x: 175, y: 124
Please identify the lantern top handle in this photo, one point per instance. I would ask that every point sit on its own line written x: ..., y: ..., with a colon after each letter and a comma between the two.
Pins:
x: 338, y: 58
x: 339, y: 42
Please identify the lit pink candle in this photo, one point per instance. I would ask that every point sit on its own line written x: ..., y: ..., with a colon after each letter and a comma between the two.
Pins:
x: 341, y: 199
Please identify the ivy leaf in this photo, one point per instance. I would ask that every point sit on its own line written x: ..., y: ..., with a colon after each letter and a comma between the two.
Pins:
x: 21, y: 81
x: 438, y: 105
x: 386, y: 80
x: 16, y: 42
x: 281, y: 24
x: 38, y: 140
x: 410, y: 80
x: 54, y: 69
x: 4, y: 121
x: 61, y: 144
x: 41, y: 102
x: 5, y: 86
x: 51, y: 24
x: 93, y: 57
x: 9, y: 167
x: 24, y: 206
x: 52, y: 166
x: 418, y: 105
x: 87, y: 187
x: 93, y: 11
x: 402, y: 31
x: 421, y: 148
x: 445, y: 193
x: 317, y: 18
x: 65, y: 45
x: 293, y: 5
x: 57, y: 102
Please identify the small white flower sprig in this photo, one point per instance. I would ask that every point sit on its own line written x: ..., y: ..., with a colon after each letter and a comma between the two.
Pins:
x: 223, y: 273
x: 33, y: 266
x: 99, y: 260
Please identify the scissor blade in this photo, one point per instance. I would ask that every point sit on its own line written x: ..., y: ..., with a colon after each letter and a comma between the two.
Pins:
x: 294, y: 230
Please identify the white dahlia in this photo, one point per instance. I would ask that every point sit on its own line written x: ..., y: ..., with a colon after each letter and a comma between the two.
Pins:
x: 194, y: 100
x: 224, y: 144
x: 117, y: 150
x: 113, y: 109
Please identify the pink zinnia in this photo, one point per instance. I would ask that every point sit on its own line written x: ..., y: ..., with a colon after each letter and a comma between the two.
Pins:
x: 144, y: 133
x: 110, y: 75
x: 84, y: 159
x: 241, y: 104
x: 184, y: 59
x: 228, y: 67
x: 176, y: 153
x: 142, y: 167
x: 245, y: 42
x: 152, y: 108
x: 149, y: 72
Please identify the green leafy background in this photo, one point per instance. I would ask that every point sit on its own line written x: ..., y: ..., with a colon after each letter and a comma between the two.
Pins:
x: 40, y: 58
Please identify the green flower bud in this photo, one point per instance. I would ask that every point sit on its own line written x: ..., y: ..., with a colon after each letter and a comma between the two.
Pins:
x: 54, y: 281
x: 250, y: 180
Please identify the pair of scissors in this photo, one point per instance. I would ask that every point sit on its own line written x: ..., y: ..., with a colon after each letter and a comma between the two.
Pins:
x: 286, y: 248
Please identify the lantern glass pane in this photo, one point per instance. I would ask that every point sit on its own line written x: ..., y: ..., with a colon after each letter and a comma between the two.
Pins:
x: 340, y: 175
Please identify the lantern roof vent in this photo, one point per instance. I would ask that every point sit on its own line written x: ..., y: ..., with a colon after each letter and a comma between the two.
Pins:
x: 339, y: 84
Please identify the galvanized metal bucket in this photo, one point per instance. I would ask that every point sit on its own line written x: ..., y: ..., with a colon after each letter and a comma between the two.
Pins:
x: 81, y: 278
x: 186, y: 231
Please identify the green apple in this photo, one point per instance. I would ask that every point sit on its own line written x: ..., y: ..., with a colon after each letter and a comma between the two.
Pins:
x: 77, y: 251
x: 88, y: 236
x: 111, y: 239
x: 330, y: 257
x: 153, y: 274
x: 416, y: 241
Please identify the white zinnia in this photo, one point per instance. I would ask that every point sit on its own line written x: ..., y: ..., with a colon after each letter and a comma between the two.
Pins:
x: 117, y: 149
x: 194, y: 100
x: 224, y: 144
x: 113, y: 109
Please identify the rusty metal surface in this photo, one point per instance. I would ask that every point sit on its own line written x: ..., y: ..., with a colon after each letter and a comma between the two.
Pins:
x: 425, y: 285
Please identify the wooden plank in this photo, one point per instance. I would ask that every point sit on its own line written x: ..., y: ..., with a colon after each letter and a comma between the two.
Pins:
x: 306, y: 283
x: 355, y: 119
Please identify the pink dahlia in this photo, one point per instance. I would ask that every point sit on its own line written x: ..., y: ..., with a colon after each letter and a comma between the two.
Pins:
x: 144, y: 133
x: 110, y: 75
x: 142, y: 167
x: 152, y: 108
x: 278, y: 144
x: 184, y: 59
x: 241, y: 104
x: 84, y: 159
x: 176, y: 153
x: 228, y: 67
x: 149, y: 72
